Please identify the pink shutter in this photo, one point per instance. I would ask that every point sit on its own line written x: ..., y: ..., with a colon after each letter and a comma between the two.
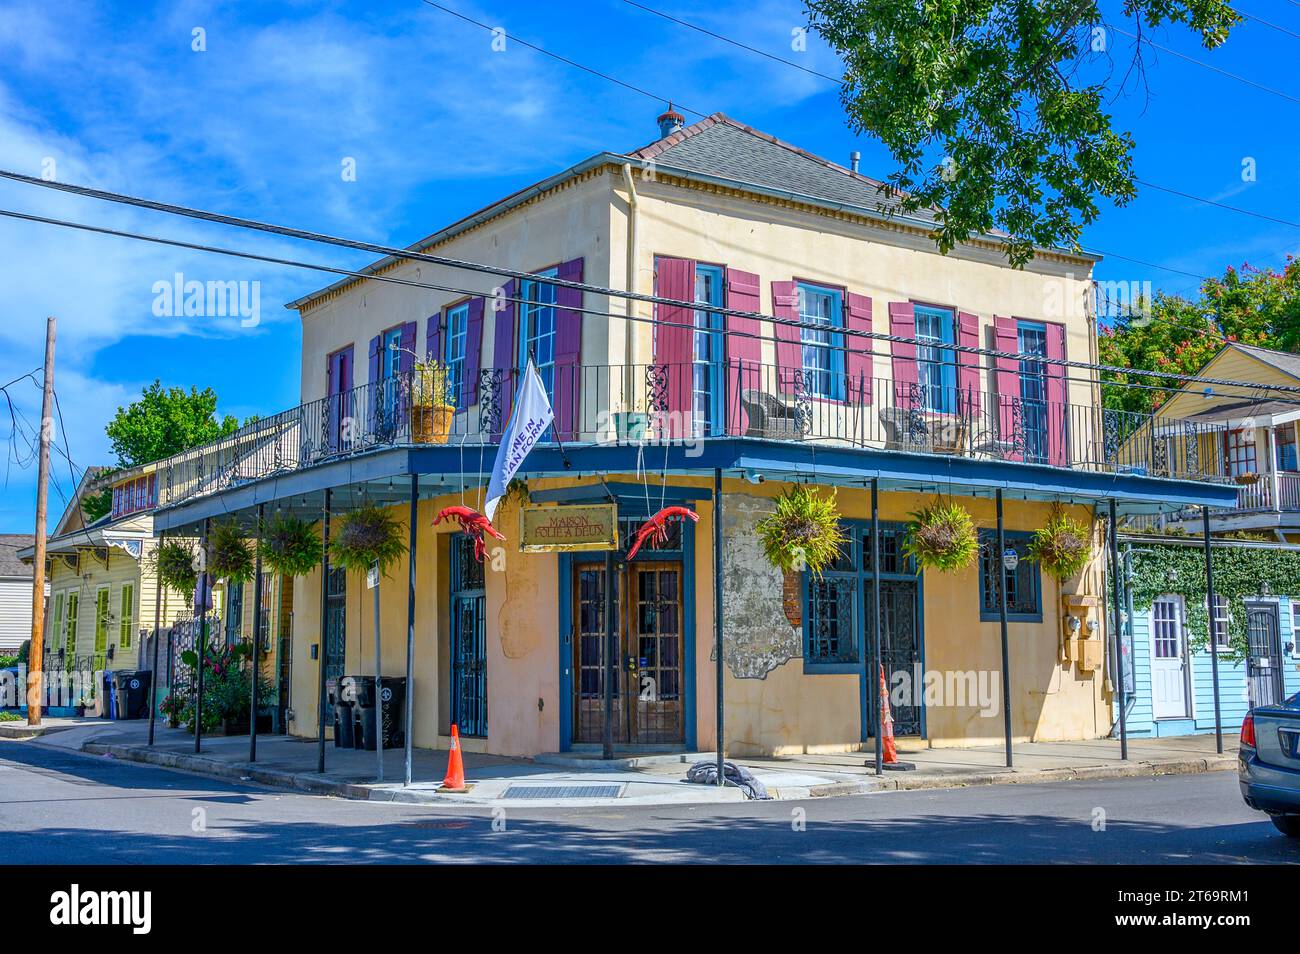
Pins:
x: 789, y: 349
x: 968, y: 365
x: 433, y: 349
x: 744, y: 346
x: 1007, y: 379
x: 674, y: 341
x: 858, y: 366
x: 473, y: 354
x: 902, y: 322
x: 503, y: 359
x: 1058, y: 438
x: 568, y: 352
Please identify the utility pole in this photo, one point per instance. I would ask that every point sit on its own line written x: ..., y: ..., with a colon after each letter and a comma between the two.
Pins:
x: 36, y: 649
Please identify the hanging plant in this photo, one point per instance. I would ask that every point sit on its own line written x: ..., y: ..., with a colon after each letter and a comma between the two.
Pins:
x: 174, y: 562
x: 230, y: 557
x: 290, y: 546
x: 942, y: 537
x: 804, y: 532
x: 1062, y: 546
x: 369, y: 534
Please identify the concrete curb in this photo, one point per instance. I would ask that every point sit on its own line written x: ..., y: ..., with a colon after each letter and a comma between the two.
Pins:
x: 244, y: 771
x: 21, y: 730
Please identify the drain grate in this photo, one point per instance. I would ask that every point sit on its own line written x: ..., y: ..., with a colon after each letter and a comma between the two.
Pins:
x: 563, y: 791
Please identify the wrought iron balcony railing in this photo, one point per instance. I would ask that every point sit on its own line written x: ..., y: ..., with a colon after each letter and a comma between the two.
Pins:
x: 689, y: 403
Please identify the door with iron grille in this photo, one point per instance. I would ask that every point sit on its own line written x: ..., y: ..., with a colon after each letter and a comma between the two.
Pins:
x: 468, y: 640
x: 336, y: 616
x: 900, y: 648
x: 648, y: 692
x: 1264, y: 662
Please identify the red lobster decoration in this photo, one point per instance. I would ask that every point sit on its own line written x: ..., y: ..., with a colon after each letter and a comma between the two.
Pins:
x: 656, y: 528
x: 473, y: 523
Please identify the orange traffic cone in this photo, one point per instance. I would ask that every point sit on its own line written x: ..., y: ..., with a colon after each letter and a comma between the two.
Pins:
x: 890, y: 755
x: 455, y: 780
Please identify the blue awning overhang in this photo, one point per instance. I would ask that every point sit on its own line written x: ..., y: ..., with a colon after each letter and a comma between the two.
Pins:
x: 384, y: 475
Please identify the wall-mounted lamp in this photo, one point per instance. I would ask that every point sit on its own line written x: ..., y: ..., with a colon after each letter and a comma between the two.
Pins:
x: 753, y: 477
x: 1265, y: 589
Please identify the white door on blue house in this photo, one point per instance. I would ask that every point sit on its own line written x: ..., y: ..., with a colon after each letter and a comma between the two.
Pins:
x: 1168, y: 660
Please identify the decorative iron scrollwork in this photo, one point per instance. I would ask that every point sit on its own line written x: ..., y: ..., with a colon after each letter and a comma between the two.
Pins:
x: 1192, y: 447
x: 1017, y: 426
x: 489, y: 400
x: 803, y: 416
x: 656, y: 388
x: 1110, y: 437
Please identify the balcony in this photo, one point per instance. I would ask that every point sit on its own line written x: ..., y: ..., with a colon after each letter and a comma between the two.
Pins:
x: 661, y: 404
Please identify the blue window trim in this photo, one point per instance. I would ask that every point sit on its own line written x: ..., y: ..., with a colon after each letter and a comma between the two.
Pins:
x: 859, y: 530
x: 527, y: 288
x: 455, y: 312
x: 836, y: 344
x: 992, y: 615
x: 714, y: 329
x: 947, y: 368
x: 390, y: 361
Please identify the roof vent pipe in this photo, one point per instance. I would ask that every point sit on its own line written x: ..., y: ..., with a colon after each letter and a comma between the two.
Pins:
x: 670, y: 122
x: 854, y: 158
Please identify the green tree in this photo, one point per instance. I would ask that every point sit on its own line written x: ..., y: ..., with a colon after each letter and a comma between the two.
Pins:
x: 166, y: 421
x: 1179, y: 334
x: 96, y: 505
x: 995, y: 111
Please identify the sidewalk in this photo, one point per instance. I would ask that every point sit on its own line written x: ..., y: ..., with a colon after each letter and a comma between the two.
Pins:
x: 573, y: 781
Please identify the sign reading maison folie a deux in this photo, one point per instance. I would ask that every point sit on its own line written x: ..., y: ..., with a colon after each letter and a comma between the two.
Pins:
x: 569, y: 527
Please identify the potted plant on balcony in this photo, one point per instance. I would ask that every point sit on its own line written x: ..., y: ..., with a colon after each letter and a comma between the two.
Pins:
x: 433, y: 403
x: 803, y: 532
x: 230, y: 558
x: 941, y: 537
x: 1061, y: 546
x: 289, y: 546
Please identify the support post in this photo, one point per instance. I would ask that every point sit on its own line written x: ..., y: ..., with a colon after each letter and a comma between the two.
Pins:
x: 201, y: 635
x: 258, y: 583
x: 1209, y: 606
x: 1117, y: 582
x: 36, y: 648
x: 1002, y: 623
x: 379, y: 695
x: 410, y: 627
x: 321, y: 647
x: 720, y: 668
x: 611, y: 656
x: 873, y: 677
x: 157, y: 635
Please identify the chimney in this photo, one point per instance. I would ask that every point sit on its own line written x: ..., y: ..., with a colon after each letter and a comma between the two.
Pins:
x: 670, y: 122
x: 854, y: 158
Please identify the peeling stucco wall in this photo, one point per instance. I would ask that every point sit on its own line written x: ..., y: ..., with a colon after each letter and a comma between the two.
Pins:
x: 756, y: 635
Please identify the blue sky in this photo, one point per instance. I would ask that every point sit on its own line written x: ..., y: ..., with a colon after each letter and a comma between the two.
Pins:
x: 260, y: 123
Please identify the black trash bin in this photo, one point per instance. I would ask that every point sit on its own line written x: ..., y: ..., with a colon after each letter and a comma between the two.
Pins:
x: 338, y: 696
x: 131, y: 694
x: 392, y: 711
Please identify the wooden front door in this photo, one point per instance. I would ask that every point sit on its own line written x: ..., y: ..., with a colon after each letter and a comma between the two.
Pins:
x: 648, y: 690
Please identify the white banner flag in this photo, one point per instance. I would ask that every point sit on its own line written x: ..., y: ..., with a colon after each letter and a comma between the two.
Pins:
x: 531, y: 416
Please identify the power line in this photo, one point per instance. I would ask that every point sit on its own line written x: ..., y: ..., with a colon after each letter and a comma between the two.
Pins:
x: 1219, y: 205
x: 563, y: 59
x: 1183, y: 56
x: 1272, y: 26
x: 691, y: 306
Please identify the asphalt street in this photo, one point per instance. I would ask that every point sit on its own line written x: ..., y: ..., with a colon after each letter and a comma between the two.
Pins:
x: 58, y: 807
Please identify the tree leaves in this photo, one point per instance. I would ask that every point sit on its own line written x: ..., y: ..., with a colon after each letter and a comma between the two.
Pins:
x: 165, y: 422
x: 994, y: 112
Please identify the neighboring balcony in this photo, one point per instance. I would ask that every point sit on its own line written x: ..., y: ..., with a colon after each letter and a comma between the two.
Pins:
x: 662, y: 404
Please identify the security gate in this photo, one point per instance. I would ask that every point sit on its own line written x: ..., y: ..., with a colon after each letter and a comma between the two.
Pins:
x: 648, y: 690
x: 1264, y: 659
x: 336, y: 616
x: 900, y: 650
x: 468, y: 640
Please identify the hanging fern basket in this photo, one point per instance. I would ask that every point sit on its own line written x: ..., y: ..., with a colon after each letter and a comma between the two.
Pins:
x: 1062, y: 546
x: 174, y: 562
x: 942, y: 537
x: 230, y: 557
x: 803, y: 533
x: 366, y: 536
x: 290, y: 546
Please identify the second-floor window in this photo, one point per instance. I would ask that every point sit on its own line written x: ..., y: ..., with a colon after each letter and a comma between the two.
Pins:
x: 457, y: 321
x: 823, y: 350
x: 135, y: 495
x: 537, y: 328
x: 1286, y: 450
x: 392, y: 359
x: 936, y: 362
x: 707, y: 351
x: 1239, y: 452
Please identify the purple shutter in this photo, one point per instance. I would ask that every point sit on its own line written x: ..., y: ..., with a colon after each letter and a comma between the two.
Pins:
x: 473, y: 354
x: 406, y: 357
x: 1058, y: 440
x: 568, y: 351
x: 674, y: 341
x: 1007, y: 380
x: 968, y: 364
x: 376, y: 351
x: 858, y: 364
x: 503, y: 358
x: 375, y: 382
x: 433, y: 349
x: 902, y: 322
x: 789, y: 350
x: 744, y: 346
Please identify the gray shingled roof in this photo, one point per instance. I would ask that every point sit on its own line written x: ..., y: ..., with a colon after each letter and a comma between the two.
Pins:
x: 719, y: 146
x: 1284, y: 361
x: 10, y: 544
